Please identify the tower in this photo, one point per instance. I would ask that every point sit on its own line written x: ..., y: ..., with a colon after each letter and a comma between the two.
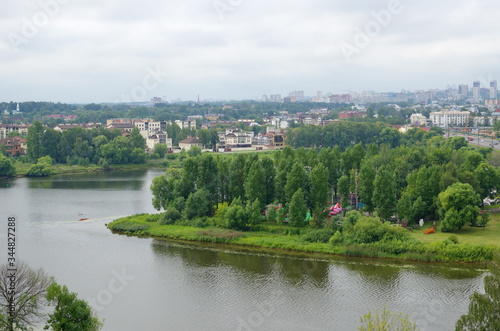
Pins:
x: 476, y: 90
x: 493, y: 90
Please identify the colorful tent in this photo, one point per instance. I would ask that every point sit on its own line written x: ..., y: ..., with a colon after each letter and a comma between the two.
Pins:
x: 336, y: 209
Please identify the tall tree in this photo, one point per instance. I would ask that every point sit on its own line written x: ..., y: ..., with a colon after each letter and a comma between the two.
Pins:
x: 254, y: 183
x: 70, y: 313
x: 24, y: 307
x: 384, y: 193
x: 297, y: 208
x: 34, y: 140
x: 367, y: 175
x: 269, y: 179
x: 319, y: 187
x: 296, y: 180
x: 484, y: 309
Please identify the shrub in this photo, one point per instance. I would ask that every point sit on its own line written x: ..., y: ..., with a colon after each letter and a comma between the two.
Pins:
x: 320, y: 236
x: 171, y: 216
x: 336, y: 238
x: 453, y: 239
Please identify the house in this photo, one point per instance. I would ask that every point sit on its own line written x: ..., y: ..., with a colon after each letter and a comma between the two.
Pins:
x: 159, y: 138
x: 5, y: 129
x: 64, y: 127
x: 186, y: 144
x: 14, y: 146
x: 124, y: 127
x: 235, y: 138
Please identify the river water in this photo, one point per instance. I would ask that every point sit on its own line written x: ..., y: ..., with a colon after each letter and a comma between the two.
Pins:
x: 148, y: 284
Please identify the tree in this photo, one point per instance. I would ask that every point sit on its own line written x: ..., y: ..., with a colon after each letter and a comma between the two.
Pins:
x: 484, y: 309
x: 343, y: 189
x: 386, y: 321
x: 367, y: 175
x: 253, y: 210
x: 23, y: 309
x: 297, y: 208
x: 42, y: 168
x: 34, y: 140
x: 384, y: 193
x: 70, y: 313
x: 136, y: 139
x: 198, y: 204
x: 296, y: 180
x: 160, y: 149
x: 255, y: 187
x: 6, y: 166
x: 459, y: 206
x: 319, y: 189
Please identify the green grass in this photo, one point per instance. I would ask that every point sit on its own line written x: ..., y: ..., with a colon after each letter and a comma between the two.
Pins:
x: 489, y: 235
x: 475, y: 245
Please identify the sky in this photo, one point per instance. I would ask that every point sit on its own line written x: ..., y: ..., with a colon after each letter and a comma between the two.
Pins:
x: 83, y: 51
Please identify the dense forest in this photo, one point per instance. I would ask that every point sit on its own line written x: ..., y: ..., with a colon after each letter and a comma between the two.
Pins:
x: 364, y: 166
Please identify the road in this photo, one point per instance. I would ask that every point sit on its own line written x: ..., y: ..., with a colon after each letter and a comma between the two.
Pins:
x: 478, y: 141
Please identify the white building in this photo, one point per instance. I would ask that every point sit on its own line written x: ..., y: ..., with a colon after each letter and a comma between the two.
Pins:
x: 446, y: 119
x: 418, y: 119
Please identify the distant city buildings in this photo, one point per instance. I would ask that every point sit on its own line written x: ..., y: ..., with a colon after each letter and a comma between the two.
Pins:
x: 446, y: 119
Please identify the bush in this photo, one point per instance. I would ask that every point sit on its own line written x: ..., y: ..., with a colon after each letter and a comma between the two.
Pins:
x: 453, y: 239
x: 318, y: 236
x: 171, y: 216
x: 336, y: 238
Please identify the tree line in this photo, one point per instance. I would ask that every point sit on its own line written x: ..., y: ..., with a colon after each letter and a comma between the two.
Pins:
x: 413, y: 176
x: 81, y: 146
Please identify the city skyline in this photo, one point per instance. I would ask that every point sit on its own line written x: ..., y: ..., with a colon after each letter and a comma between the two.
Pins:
x: 83, y: 52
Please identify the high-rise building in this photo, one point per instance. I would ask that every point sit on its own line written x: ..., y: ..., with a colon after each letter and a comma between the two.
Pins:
x: 493, y: 90
x: 463, y: 91
x: 476, y: 90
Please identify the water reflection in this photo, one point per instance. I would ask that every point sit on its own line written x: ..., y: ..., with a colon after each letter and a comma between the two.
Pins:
x: 293, y: 270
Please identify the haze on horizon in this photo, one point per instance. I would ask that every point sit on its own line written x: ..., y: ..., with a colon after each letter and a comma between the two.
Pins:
x: 78, y: 51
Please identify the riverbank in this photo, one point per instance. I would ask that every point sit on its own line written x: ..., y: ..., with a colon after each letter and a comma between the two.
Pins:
x: 298, y: 240
x: 60, y: 169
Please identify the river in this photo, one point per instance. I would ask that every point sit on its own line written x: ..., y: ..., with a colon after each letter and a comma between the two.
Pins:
x: 149, y: 284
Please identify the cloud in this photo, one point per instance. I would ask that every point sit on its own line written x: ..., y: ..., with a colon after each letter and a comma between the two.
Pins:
x: 92, y: 51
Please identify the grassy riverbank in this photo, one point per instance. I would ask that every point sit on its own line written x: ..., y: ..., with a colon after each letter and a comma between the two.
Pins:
x: 431, y: 248
x: 58, y: 169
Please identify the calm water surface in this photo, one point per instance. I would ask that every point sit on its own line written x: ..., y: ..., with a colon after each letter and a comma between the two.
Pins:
x: 147, y: 284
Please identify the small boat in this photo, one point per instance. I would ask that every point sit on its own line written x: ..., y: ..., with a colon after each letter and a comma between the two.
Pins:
x: 83, y: 219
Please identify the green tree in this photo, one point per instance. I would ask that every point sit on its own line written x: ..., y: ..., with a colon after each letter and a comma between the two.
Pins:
x: 160, y: 149
x: 255, y: 187
x: 296, y: 180
x: 297, y: 208
x: 34, y: 140
x: 269, y: 179
x: 319, y: 189
x: 253, y: 211
x: 7, y: 168
x: 367, y: 174
x: 42, y: 168
x: 235, y: 216
x: 198, y: 204
x: 488, y: 179
x: 344, y: 190
x: 484, y: 309
x: 386, y: 321
x: 384, y: 193
x: 459, y: 206
x: 136, y: 139
x: 70, y: 313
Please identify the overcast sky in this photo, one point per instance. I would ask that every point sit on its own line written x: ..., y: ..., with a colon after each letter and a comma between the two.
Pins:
x: 109, y: 50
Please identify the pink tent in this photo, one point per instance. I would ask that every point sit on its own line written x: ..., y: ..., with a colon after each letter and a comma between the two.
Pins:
x: 337, y: 209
